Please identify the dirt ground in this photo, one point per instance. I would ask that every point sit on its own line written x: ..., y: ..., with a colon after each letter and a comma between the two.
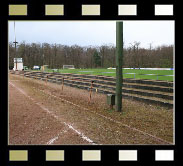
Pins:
x: 41, y: 113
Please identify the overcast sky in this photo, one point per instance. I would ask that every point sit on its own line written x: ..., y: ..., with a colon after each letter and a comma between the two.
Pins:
x: 95, y: 33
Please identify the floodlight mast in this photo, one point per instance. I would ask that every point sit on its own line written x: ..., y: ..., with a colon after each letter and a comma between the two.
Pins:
x: 119, y: 60
x: 15, y: 52
x: 15, y: 42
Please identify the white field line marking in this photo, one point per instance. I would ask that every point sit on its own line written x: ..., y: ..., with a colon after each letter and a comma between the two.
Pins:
x: 108, y: 118
x: 55, y: 116
x: 55, y: 138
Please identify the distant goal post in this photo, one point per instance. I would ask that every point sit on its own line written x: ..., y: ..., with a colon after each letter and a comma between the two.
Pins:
x: 68, y: 67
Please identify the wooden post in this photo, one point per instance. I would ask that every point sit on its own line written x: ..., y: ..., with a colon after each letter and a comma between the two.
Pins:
x: 62, y: 83
x: 46, y: 79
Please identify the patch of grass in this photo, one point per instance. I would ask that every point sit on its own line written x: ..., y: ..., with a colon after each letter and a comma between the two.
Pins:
x: 136, y: 73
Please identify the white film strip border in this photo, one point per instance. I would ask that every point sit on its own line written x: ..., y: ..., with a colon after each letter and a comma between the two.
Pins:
x: 92, y: 10
x: 91, y: 155
x: 164, y: 10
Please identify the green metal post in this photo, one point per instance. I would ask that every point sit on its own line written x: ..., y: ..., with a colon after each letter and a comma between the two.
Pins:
x: 119, y: 57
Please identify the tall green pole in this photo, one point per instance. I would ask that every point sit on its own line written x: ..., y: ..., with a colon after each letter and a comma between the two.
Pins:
x: 119, y: 58
x: 16, y: 52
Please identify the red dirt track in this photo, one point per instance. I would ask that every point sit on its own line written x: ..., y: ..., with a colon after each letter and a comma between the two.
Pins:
x: 44, y: 114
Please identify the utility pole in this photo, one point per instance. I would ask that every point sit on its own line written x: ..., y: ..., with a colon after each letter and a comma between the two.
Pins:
x: 55, y: 62
x: 119, y: 59
x: 15, y: 51
x: 15, y: 42
x: 42, y: 50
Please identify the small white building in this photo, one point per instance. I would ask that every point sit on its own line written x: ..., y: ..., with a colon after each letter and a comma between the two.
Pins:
x: 18, y: 64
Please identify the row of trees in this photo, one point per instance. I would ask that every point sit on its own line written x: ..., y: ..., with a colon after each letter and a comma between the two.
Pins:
x: 57, y: 55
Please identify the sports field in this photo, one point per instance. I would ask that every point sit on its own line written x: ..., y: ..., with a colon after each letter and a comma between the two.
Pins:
x: 127, y: 73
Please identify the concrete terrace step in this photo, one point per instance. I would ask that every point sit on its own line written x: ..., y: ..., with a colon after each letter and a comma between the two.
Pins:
x: 149, y: 82
x: 126, y: 90
x: 129, y: 80
x: 127, y: 85
x: 125, y: 95
x: 132, y: 90
x: 111, y: 89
